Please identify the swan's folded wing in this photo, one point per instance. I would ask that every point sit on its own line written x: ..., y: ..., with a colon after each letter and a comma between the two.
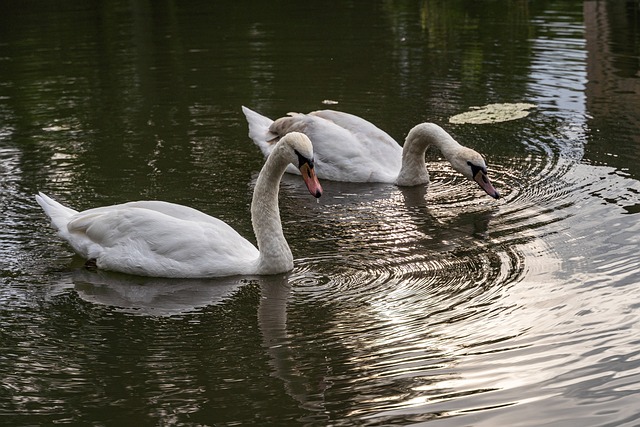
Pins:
x: 378, y: 156
x: 346, y: 147
x: 145, y: 241
x: 176, y: 211
x: 364, y: 130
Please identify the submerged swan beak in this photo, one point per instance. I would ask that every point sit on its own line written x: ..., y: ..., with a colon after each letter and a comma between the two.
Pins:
x: 481, y: 178
x: 311, y: 180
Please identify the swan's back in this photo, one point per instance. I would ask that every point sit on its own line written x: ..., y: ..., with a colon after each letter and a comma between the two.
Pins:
x: 362, y: 129
x: 154, y: 238
x: 146, y: 240
x: 347, y: 148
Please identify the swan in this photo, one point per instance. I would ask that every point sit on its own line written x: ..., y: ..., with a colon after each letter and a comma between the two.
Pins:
x: 161, y: 239
x: 349, y: 148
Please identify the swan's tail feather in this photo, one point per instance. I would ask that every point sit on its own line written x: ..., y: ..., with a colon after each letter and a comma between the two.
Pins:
x: 60, y: 215
x: 259, y: 131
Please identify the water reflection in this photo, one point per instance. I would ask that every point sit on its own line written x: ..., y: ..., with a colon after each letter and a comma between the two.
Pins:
x: 149, y: 296
x: 613, y: 84
x: 405, y: 305
x: 157, y: 297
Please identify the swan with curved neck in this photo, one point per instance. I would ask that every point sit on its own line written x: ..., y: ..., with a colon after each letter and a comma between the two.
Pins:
x: 160, y: 239
x: 349, y: 148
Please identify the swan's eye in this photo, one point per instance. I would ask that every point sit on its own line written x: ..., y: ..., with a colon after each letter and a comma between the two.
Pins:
x: 475, y: 169
x: 303, y: 160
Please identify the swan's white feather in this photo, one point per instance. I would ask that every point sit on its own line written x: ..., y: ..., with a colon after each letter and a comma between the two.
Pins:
x: 348, y: 148
x: 154, y: 238
x: 351, y: 149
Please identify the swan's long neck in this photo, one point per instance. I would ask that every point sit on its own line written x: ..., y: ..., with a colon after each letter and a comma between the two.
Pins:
x: 414, y: 168
x: 275, y: 255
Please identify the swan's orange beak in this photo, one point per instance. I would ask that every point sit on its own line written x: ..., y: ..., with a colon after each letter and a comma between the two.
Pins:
x: 481, y: 178
x: 311, y: 180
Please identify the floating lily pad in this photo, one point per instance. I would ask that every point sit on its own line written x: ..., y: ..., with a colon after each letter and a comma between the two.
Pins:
x: 493, y: 113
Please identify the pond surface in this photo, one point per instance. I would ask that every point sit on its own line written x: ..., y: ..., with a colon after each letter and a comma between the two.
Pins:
x: 405, y: 306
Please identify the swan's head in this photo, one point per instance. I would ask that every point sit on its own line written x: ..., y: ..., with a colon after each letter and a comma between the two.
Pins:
x: 465, y: 160
x: 299, y: 152
x: 471, y: 164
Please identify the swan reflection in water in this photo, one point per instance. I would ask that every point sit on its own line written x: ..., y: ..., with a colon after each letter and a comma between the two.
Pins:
x: 161, y: 297
x: 353, y: 213
x: 152, y: 296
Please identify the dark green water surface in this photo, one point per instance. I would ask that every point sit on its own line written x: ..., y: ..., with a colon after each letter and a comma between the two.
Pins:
x: 404, y: 307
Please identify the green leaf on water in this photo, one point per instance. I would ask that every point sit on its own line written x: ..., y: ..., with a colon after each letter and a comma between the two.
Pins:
x: 493, y: 113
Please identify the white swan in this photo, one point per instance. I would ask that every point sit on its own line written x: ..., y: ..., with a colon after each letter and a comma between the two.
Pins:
x: 160, y: 239
x: 349, y: 148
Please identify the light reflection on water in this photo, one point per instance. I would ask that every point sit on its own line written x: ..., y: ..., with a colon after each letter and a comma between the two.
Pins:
x: 404, y: 306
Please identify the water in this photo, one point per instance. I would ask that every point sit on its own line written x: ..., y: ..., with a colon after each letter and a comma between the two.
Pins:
x: 404, y: 307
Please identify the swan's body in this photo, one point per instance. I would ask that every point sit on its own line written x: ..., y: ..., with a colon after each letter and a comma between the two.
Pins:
x: 160, y: 239
x: 349, y: 148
